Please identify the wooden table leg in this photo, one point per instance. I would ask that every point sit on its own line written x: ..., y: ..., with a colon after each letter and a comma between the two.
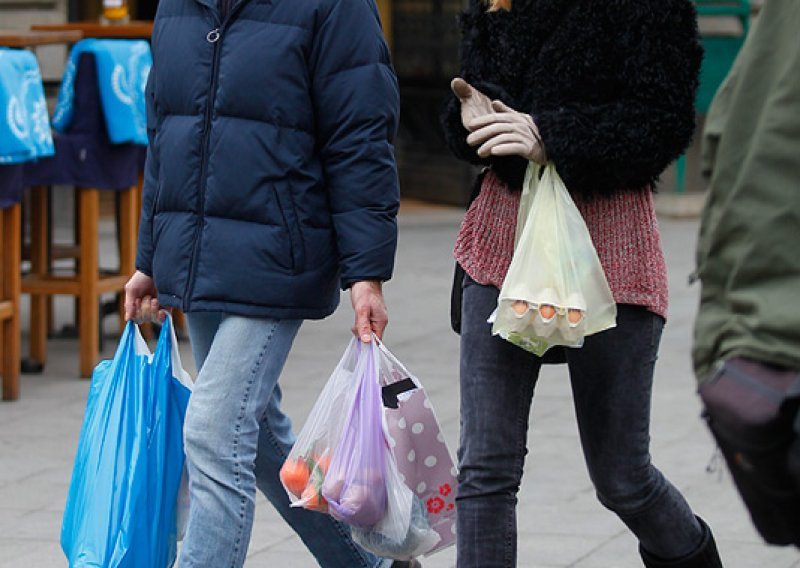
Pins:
x: 12, y: 258
x: 39, y: 268
x: 128, y: 233
x: 89, y: 320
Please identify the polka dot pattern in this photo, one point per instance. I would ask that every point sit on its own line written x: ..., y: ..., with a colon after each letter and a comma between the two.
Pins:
x: 424, y: 460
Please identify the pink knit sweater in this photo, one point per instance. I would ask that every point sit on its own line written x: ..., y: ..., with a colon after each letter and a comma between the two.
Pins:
x: 624, y: 230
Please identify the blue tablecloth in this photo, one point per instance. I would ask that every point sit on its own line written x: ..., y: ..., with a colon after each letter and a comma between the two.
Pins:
x: 10, y: 185
x: 85, y: 156
x: 24, y: 125
x: 122, y: 70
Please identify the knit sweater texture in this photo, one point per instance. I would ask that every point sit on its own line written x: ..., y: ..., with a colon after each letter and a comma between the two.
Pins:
x: 623, y: 227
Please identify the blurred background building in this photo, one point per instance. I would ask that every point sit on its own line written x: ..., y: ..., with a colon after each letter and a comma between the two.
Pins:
x: 423, y: 36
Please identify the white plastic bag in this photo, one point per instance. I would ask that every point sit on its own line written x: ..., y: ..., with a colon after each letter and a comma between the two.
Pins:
x: 332, y: 467
x: 555, y: 292
x: 405, y: 532
x: 182, y: 376
x: 304, y: 470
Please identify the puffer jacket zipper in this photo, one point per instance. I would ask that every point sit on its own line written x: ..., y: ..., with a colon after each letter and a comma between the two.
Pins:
x: 214, y: 37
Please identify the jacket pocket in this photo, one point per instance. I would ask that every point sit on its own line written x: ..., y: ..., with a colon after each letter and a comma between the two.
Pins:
x: 291, y: 223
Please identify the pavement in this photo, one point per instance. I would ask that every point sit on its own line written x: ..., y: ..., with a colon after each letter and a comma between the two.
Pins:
x: 561, y: 524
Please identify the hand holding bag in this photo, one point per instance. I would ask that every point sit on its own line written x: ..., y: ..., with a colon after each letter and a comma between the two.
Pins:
x: 555, y: 291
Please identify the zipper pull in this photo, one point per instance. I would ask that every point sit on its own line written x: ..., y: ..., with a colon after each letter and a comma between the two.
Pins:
x: 213, y: 36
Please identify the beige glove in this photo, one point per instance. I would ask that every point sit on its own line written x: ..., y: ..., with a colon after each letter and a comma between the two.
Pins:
x: 506, y: 132
x: 473, y: 102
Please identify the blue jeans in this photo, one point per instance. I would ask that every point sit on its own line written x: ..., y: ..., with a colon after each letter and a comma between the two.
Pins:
x: 612, y: 378
x: 237, y: 438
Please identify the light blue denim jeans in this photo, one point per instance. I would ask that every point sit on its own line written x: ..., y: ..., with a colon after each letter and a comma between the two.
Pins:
x: 236, y: 439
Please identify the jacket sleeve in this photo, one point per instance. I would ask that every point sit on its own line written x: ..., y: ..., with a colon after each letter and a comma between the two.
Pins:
x: 627, y: 138
x: 455, y: 134
x: 356, y: 104
x: 144, y: 248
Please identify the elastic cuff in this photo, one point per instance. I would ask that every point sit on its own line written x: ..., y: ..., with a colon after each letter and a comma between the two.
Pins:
x: 145, y: 271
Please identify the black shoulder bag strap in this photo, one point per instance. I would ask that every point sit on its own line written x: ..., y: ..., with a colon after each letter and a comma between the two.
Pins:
x: 458, y: 274
x: 794, y: 393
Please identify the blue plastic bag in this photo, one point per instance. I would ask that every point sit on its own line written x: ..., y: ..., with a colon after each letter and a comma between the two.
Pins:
x: 121, y: 506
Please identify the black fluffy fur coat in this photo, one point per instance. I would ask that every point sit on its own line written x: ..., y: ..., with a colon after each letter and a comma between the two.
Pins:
x: 610, y: 83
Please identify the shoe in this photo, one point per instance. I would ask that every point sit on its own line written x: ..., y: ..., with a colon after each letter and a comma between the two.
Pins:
x: 704, y: 556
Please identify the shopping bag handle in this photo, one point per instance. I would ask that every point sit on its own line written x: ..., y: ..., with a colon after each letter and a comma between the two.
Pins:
x: 168, y: 334
x: 391, y: 392
x: 389, y: 355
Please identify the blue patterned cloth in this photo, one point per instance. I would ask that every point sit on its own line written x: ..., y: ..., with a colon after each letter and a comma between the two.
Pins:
x: 24, y: 126
x: 122, y: 70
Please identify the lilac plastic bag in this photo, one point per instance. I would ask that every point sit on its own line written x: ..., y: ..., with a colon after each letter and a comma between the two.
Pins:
x: 355, y: 485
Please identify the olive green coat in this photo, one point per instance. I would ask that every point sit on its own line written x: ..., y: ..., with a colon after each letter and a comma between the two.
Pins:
x: 749, y: 249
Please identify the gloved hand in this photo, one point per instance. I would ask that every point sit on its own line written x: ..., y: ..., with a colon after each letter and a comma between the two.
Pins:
x: 473, y: 102
x: 506, y: 132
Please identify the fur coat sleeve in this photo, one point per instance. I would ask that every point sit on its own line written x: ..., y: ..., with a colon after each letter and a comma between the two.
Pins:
x: 610, y: 84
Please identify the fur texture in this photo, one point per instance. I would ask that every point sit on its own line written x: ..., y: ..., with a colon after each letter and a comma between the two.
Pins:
x: 610, y: 83
x: 499, y: 4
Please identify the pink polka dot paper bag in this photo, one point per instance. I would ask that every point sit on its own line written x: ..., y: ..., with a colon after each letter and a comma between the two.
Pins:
x: 423, y: 458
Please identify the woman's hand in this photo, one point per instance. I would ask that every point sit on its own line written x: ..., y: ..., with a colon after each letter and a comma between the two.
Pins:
x: 473, y: 103
x: 141, y: 300
x: 506, y: 132
x: 370, y: 309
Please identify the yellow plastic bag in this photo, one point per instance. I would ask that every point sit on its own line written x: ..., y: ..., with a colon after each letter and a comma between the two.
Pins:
x: 555, y: 292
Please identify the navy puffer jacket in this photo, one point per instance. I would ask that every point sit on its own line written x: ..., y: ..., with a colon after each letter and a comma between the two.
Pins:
x: 270, y: 179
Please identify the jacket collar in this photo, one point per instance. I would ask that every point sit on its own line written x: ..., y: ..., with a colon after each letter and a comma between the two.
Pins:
x: 210, y: 4
x: 235, y: 5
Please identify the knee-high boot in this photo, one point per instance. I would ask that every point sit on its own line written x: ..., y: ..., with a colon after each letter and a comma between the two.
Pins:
x: 704, y: 556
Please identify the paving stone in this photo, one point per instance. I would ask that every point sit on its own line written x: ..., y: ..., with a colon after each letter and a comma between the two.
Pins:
x: 561, y: 523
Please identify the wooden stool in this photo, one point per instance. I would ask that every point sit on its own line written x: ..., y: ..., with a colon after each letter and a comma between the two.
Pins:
x: 87, y: 159
x: 10, y: 253
x: 88, y: 283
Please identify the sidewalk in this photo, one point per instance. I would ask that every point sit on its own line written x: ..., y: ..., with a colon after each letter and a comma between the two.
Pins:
x: 561, y: 524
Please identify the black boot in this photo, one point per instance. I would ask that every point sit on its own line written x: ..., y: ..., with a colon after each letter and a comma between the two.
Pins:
x: 704, y: 556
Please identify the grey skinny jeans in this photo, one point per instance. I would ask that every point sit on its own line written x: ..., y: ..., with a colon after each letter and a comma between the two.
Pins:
x: 612, y: 378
